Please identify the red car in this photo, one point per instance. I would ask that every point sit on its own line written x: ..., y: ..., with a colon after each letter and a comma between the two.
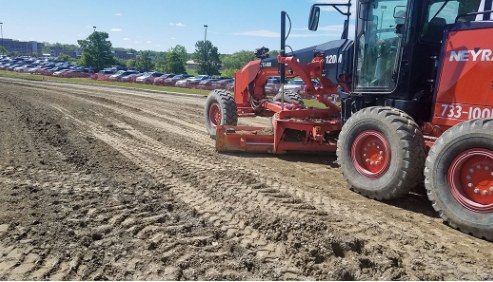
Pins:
x: 131, y: 77
x: 222, y: 83
x: 160, y: 80
x: 207, y: 84
x: 172, y: 81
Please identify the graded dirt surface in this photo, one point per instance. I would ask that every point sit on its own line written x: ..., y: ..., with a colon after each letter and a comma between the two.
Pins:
x: 102, y: 183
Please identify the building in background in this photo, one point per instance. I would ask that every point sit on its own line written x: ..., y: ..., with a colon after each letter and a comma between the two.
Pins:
x: 123, y: 55
x: 23, y: 47
x: 56, y: 51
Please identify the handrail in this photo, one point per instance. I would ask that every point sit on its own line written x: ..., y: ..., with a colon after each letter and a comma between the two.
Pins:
x: 472, y: 14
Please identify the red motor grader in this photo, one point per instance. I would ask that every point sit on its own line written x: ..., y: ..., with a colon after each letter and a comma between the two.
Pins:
x: 416, y: 92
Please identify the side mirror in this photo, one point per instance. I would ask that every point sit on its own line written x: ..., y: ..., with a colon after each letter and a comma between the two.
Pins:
x: 363, y: 12
x: 314, y: 18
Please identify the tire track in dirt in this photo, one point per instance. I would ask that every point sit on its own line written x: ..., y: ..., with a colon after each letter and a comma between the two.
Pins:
x: 268, y: 202
x: 408, y: 252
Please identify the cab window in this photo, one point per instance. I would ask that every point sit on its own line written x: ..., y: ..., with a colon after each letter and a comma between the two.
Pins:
x: 442, y: 13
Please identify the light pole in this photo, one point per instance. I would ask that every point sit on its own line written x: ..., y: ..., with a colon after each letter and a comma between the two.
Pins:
x: 1, y: 30
x: 205, y: 48
x: 94, y: 28
x: 205, y: 34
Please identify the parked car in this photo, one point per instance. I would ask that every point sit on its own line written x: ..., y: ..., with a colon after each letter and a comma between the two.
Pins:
x: 149, y: 77
x: 230, y: 86
x: 298, y: 86
x: 184, y: 82
x: 121, y: 73
x: 221, y: 84
x: 272, y: 85
x: 207, y: 84
x: 160, y: 80
x: 13, y: 66
x: 104, y: 74
x: 57, y: 73
x: 131, y: 77
x: 193, y: 83
x: 172, y: 81
x: 23, y: 68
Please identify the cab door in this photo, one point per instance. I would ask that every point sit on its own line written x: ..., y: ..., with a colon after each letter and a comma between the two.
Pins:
x: 380, y: 35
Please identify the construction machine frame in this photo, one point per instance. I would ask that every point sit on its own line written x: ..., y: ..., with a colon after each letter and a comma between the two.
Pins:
x: 416, y: 93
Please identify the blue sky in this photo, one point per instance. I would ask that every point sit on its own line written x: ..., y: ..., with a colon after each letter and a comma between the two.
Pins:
x: 159, y: 25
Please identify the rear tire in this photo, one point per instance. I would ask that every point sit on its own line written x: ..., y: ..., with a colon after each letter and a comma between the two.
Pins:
x: 289, y: 97
x: 465, y: 146
x: 220, y: 109
x: 381, y: 152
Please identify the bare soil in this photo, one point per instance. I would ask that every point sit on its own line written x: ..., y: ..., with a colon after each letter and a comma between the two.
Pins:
x: 102, y: 183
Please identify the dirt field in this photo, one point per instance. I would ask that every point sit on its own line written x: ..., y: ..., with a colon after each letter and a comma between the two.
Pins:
x: 104, y: 183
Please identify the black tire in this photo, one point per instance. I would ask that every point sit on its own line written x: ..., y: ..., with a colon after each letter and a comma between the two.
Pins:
x: 407, y: 152
x: 289, y: 97
x: 461, y: 137
x: 227, y: 104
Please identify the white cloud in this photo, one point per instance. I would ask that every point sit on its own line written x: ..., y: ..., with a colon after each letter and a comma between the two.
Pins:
x: 180, y: 25
x: 136, y: 42
x: 118, y: 14
x: 148, y: 42
x: 268, y: 33
x: 79, y: 35
x: 171, y: 24
x: 116, y: 29
x: 126, y: 39
x: 172, y: 38
x: 158, y: 45
x: 89, y: 26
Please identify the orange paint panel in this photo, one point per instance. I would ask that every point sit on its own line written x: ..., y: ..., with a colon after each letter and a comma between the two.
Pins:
x: 466, y: 78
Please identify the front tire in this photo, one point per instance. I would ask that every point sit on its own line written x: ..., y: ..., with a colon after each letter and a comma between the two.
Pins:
x: 289, y: 97
x: 220, y: 109
x: 381, y: 153
x: 459, y: 177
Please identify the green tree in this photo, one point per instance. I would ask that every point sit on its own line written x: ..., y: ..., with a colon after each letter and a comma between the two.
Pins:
x: 96, y: 51
x: 273, y: 53
x: 176, y: 60
x: 175, y: 63
x: 229, y: 72
x: 3, y: 50
x: 238, y: 60
x: 160, y: 61
x: 15, y: 54
x: 207, y: 58
x: 145, y: 62
x: 120, y: 62
x: 131, y: 63
x: 65, y: 58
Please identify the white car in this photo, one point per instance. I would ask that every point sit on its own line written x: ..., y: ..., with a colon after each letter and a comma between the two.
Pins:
x: 23, y: 68
x: 298, y: 86
x: 57, y: 73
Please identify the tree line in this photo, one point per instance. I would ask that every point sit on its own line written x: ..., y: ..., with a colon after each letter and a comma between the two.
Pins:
x: 96, y: 54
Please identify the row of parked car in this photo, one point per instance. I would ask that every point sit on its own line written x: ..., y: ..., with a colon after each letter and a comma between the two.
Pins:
x: 53, y: 67
x: 44, y: 66
x: 204, y: 82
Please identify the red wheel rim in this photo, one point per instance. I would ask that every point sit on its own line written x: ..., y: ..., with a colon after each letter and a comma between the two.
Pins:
x: 215, y: 115
x: 470, y: 179
x: 370, y: 154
